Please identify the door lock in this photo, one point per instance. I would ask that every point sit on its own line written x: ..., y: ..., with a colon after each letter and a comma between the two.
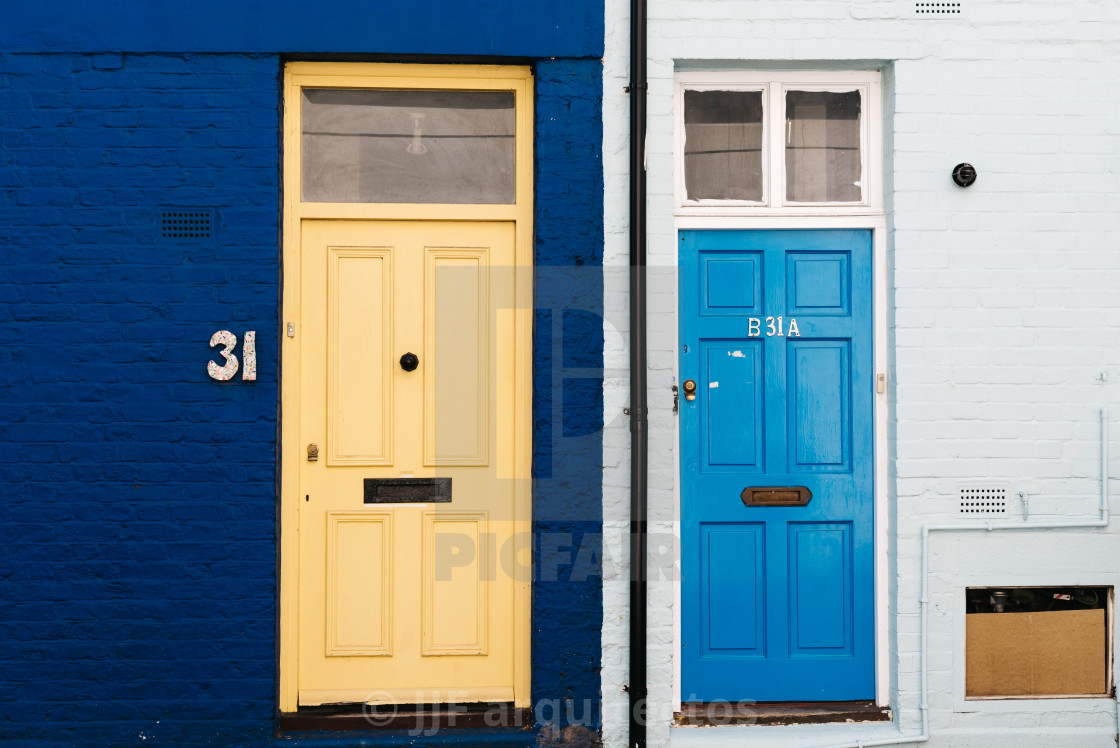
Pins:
x: 312, y: 452
x: 689, y: 389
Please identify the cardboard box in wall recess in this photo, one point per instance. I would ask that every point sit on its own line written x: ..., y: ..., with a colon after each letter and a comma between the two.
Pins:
x: 1053, y: 653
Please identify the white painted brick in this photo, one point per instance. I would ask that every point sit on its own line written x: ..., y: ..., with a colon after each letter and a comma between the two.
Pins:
x: 1005, y: 307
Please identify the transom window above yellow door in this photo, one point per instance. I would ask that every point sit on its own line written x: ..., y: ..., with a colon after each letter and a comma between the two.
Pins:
x: 418, y: 146
x: 778, y: 142
x: 388, y: 141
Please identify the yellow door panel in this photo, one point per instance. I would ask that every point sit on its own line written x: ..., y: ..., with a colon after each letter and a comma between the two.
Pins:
x: 456, y: 561
x: 359, y: 583
x: 410, y: 602
x: 359, y: 330
x: 456, y: 393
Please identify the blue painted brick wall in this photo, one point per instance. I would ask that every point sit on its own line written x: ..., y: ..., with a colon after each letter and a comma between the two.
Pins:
x: 137, y: 583
x: 536, y: 29
x: 139, y: 526
x: 568, y: 393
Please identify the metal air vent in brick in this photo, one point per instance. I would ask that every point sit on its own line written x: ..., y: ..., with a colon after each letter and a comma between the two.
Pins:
x: 983, y: 500
x: 937, y: 9
x: 186, y: 224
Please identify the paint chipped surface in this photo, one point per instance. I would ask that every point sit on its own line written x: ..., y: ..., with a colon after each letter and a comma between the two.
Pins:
x: 736, y: 354
x: 713, y: 385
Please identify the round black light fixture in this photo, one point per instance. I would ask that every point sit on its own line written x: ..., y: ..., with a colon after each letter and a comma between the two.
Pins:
x: 964, y: 174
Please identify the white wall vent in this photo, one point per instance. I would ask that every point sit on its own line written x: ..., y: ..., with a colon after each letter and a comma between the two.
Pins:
x: 983, y: 500
x: 937, y: 9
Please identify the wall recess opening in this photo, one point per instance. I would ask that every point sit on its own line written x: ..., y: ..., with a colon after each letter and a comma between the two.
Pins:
x: 1036, y: 642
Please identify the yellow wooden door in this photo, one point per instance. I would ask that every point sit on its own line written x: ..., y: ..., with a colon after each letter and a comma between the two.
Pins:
x: 403, y: 600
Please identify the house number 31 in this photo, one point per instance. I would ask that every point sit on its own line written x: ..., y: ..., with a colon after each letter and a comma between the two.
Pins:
x: 228, y: 341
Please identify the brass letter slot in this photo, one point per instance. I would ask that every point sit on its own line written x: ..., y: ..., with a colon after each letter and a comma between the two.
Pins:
x: 776, y: 495
x: 407, y: 490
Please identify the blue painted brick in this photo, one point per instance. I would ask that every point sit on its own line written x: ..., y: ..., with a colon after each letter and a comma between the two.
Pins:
x: 567, y: 477
x: 109, y: 407
x: 139, y: 574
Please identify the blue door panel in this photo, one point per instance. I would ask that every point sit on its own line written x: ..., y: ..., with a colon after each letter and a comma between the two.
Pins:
x: 732, y: 400
x: 730, y: 283
x: 819, y: 283
x: 820, y: 590
x: 818, y: 400
x: 734, y: 594
x: 778, y: 601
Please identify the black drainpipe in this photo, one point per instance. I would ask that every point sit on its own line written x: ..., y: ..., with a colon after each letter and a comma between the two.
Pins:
x: 639, y: 434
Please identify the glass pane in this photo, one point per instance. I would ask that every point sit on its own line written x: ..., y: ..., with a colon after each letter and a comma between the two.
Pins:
x: 723, y: 145
x: 822, y: 147
x: 378, y: 146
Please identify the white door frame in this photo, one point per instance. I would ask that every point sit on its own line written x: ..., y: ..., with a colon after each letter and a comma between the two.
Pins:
x: 869, y: 214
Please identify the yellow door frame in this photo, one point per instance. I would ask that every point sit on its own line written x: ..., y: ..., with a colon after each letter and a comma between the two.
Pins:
x: 297, y: 75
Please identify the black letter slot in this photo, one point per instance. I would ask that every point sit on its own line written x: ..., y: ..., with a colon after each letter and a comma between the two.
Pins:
x: 407, y: 490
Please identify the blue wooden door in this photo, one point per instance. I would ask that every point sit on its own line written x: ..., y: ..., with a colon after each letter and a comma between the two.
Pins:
x: 776, y: 334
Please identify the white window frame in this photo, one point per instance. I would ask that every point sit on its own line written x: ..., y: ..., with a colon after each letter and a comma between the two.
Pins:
x: 679, y: 137
x: 774, y: 85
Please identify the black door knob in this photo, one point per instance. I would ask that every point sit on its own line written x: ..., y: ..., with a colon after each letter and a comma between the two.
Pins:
x: 409, y: 361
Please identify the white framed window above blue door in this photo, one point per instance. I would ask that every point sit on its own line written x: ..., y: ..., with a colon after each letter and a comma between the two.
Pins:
x: 778, y: 143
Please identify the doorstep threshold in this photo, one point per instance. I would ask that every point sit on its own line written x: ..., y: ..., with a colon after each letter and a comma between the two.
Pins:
x: 425, y: 717
x: 714, y: 713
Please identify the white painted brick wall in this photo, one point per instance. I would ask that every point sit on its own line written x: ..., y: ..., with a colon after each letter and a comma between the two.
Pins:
x: 1005, y: 308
